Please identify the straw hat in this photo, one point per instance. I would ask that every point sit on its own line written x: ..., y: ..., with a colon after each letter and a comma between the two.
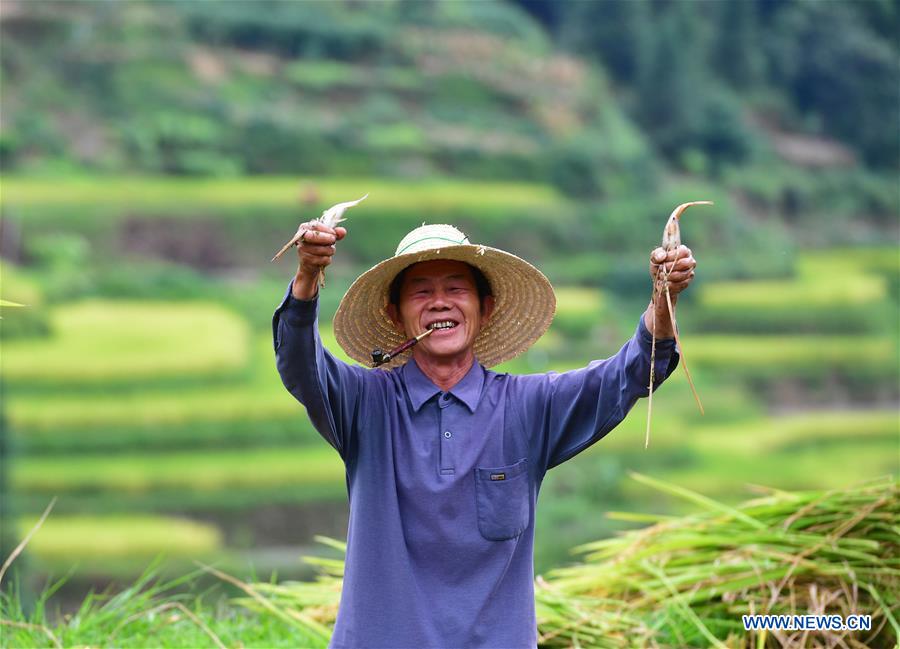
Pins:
x: 524, y: 299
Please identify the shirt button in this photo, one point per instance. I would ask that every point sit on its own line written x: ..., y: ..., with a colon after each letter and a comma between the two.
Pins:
x: 445, y: 398
x: 448, y: 434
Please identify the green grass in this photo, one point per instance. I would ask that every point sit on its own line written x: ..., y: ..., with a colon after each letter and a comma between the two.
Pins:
x: 736, y: 444
x: 844, y: 264
x: 166, y: 500
x: 132, y: 537
x: 579, y: 310
x: 578, y: 300
x: 204, y: 471
x: 792, y: 433
x: 165, y: 418
x: 189, y: 434
x: 253, y: 407
x: 825, y: 319
x: 835, y: 466
x: 853, y: 291
x: 98, y: 341
x: 18, y: 287
x: 813, y: 450
x: 37, y: 417
x: 254, y: 396
x: 834, y: 290
x: 327, y: 75
x: 252, y: 217
x: 392, y: 195
x: 150, y: 612
x: 774, y: 356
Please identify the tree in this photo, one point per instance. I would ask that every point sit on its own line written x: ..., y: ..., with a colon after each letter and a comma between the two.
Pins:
x: 736, y: 54
x: 843, y: 73
x: 614, y: 32
x: 672, y: 81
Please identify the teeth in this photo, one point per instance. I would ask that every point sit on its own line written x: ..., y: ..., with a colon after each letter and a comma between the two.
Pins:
x: 446, y: 324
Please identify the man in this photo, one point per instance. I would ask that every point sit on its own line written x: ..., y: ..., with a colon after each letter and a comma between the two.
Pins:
x: 444, y: 458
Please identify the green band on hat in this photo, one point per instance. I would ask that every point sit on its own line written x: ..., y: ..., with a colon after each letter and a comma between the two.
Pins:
x: 409, y: 245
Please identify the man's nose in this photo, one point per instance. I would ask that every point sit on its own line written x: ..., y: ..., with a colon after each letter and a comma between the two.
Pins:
x: 439, y: 301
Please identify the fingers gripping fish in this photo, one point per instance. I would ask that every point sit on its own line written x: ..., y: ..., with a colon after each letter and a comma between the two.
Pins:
x: 330, y: 217
x: 671, y: 240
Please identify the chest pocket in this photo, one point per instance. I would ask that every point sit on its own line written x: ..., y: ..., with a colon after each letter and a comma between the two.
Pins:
x: 502, y: 499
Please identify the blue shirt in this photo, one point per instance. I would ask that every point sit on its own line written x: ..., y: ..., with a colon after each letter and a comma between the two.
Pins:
x: 443, y: 485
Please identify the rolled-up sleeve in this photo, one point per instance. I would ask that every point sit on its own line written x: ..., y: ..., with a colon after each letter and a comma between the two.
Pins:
x: 329, y: 389
x: 568, y: 412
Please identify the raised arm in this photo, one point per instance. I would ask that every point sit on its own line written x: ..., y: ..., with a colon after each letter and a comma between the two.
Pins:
x: 568, y: 412
x: 330, y: 389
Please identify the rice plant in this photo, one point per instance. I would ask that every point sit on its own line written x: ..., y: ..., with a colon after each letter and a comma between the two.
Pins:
x: 686, y: 581
x: 205, y: 471
x: 98, y: 341
x: 805, y: 356
x: 393, y: 195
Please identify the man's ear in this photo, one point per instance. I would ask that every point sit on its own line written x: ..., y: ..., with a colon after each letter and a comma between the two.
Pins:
x: 395, y: 317
x: 487, y: 308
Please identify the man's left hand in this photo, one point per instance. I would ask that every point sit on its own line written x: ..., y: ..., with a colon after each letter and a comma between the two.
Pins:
x: 679, y: 264
x: 679, y: 267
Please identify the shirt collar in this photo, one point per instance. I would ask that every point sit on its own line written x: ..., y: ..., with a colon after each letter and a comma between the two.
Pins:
x: 421, y: 389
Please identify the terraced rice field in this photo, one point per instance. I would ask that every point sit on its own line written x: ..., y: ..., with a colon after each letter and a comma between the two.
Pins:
x: 98, y: 341
x: 390, y: 195
x: 137, y: 406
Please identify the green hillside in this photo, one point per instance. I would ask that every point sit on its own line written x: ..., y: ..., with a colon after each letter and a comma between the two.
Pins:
x: 155, y: 155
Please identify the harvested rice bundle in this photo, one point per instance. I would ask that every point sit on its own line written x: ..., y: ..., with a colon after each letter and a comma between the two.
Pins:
x: 687, y: 581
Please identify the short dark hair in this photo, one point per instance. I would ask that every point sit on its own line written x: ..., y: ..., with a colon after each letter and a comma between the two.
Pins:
x: 482, y: 285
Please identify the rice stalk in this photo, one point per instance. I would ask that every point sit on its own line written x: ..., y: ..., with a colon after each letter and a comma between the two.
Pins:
x: 19, y: 548
x: 295, y: 617
x: 784, y: 553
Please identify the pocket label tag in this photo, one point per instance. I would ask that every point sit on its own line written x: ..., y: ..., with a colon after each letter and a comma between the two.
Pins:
x: 498, y: 476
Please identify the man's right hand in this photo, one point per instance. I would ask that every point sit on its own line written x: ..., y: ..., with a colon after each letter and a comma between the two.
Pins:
x: 314, y: 253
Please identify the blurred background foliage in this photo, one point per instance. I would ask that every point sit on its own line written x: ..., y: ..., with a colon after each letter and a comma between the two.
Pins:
x: 155, y: 155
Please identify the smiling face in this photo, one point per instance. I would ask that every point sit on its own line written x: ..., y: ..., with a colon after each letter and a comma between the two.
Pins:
x: 441, y: 295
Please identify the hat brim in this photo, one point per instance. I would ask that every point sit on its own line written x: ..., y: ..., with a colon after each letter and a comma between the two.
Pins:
x: 524, y: 306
